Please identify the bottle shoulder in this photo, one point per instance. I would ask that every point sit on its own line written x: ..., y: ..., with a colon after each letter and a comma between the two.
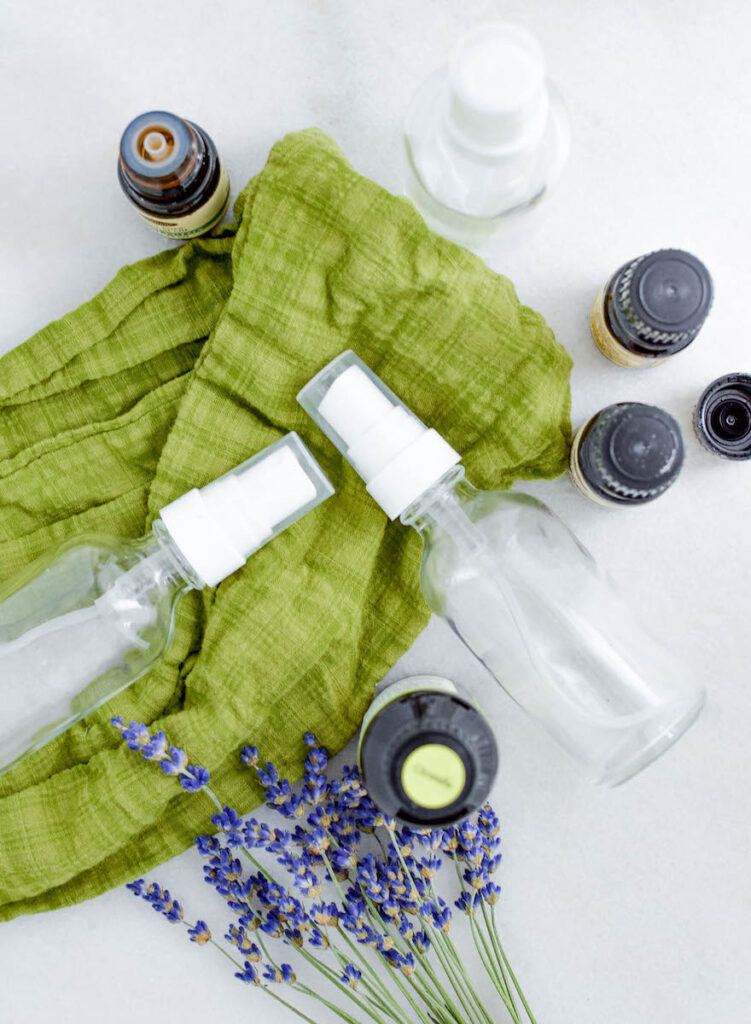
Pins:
x: 92, y: 570
x: 77, y: 559
x: 511, y: 533
x: 472, y: 182
x: 497, y: 515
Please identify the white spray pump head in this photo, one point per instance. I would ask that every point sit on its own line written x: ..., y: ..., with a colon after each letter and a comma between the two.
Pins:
x: 218, y: 527
x: 497, y: 87
x: 397, y: 456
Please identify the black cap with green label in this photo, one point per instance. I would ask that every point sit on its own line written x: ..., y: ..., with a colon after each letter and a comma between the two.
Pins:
x: 427, y: 753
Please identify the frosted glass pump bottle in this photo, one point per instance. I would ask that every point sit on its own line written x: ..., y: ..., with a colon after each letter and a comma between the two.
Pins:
x: 514, y: 583
x: 486, y: 137
x: 83, y: 623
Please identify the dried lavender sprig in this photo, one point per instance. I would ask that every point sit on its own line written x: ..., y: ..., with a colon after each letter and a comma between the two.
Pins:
x: 277, y: 793
x: 172, y: 760
x: 338, y: 812
x: 194, y: 778
x: 269, y: 776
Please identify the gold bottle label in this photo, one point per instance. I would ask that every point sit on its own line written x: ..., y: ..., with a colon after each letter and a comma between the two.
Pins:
x: 609, y: 345
x: 199, y: 221
x: 578, y: 477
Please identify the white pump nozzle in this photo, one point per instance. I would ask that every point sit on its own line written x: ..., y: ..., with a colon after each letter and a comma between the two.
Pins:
x: 397, y: 456
x: 498, y: 92
x: 218, y: 527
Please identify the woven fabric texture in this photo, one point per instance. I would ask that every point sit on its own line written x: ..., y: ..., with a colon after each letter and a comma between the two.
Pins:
x: 183, y: 366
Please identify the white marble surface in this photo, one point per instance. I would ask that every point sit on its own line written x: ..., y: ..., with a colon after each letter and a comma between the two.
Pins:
x: 625, y: 907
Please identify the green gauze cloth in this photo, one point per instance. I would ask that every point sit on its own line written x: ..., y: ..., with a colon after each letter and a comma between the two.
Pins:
x: 185, y: 365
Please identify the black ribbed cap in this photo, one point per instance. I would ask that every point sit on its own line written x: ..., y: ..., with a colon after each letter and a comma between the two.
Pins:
x: 631, y: 452
x: 416, y: 720
x: 722, y: 418
x: 659, y: 302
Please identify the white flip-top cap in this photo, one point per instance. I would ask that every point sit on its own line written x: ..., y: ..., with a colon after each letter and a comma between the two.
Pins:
x: 498, y: 92
x: 218, y: 527
x: 397, y: 456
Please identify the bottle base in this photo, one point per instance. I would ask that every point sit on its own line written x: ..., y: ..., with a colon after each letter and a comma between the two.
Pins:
x: 635, y: 754
x: 483, y: 235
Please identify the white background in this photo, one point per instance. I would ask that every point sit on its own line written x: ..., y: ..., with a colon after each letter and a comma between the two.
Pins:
x: 622, y: 907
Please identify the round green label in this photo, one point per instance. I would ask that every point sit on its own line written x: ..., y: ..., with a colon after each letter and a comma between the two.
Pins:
x: 433, y: 775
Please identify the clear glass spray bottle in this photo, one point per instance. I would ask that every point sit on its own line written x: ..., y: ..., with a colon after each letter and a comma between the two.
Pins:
x: 514, y: 583
x: 88, y: 620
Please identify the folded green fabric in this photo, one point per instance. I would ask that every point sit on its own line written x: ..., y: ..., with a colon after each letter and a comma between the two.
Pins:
x: 183, y: 366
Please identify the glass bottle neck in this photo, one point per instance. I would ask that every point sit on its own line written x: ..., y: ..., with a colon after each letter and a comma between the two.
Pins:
x: 439, y: 505
x: 167, y: 562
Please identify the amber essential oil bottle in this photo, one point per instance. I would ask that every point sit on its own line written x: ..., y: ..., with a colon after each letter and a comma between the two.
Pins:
x: 171, y: 172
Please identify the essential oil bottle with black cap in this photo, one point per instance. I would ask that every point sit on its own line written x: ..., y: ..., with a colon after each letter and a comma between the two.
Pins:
x: 722, y: 418
x: 651, y: 308
x: 427, y: 754
x: 171, y: 172
x: 627, y: 454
